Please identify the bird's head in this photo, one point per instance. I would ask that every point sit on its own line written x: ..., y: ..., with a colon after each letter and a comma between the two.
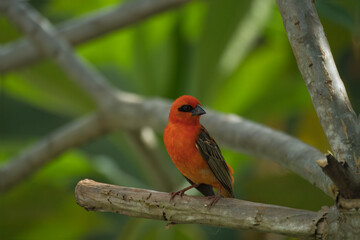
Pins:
x: 186, y: 109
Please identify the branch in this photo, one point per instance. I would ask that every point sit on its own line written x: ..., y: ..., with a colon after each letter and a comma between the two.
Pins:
x: 230, y: 213
x: 42, y: 152
x: 259, y: 141
x: 86, y: 28
x: 317, y: 66
x: 42, y: 33
x: 233, y: 132
x: 129, y: 111
x: 230, y: 131
x: 340, y: 174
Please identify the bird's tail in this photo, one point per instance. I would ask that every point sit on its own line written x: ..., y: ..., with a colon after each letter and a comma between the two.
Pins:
x: 227, y: 194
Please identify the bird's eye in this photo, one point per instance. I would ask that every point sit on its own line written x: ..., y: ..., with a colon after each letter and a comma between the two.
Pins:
x: 185, y: 108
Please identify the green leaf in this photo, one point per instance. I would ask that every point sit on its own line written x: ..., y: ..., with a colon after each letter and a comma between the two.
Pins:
x: 252, y: 79
x: 45, y: 86
x: 338, y: 12
x: 222, y: 18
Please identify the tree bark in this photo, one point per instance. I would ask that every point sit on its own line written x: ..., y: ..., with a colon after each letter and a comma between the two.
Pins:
x: 227, y: 212
x: 333, y: 107
x: 327, y: 91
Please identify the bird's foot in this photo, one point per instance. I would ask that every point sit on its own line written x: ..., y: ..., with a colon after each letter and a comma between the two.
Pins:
x: 182, y: 192
x: 214, y: 199
x: 174, y: 194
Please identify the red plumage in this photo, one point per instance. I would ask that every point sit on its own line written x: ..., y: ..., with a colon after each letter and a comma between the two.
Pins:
x: 194, y: 152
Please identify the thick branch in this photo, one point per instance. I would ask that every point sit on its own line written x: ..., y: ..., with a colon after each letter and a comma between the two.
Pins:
x: 230, y: 213
x: 317, y: 66
x: 34, y: 158
x: 86, y: 28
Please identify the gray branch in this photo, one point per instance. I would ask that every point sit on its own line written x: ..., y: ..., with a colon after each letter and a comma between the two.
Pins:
x: 44, y: 37
x: 230, y: 131
x: 45, y: 150
x: 261, y: 142
x: 317, y: 66
x: 86, y: 28
x: 229, y: 213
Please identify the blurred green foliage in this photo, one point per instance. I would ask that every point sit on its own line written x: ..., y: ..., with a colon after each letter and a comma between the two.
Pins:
x: 232, y: 55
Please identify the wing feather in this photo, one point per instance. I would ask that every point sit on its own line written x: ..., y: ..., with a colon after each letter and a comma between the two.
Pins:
x: 212, y: 155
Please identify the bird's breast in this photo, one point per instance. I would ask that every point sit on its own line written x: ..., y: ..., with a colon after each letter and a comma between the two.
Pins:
x: 180, y: 144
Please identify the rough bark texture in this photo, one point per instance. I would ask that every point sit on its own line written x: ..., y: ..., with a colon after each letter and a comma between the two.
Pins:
x: 317, y: 66
x: 333, y: 107
x: 340, y: 174
x: 327, y: 91
x: 230, y: 213
x: 328, y: 223
x: 342, y: 224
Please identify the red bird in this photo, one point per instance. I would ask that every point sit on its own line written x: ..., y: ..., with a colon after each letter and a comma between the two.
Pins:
x: 195, y: 153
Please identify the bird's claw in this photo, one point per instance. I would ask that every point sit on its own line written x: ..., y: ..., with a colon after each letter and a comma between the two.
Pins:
x: 214, y: 199
x: 180, y: 193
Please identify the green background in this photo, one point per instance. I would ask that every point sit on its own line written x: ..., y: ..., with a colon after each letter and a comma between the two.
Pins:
x: 234, y: 56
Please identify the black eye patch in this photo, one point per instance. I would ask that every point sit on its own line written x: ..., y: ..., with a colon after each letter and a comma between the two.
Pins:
x: 185, y: 108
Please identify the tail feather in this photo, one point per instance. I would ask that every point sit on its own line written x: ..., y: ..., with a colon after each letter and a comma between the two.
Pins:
x: 227, y: 194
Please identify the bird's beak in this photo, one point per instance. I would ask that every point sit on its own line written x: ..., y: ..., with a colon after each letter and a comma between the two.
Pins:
x: 198, y: 110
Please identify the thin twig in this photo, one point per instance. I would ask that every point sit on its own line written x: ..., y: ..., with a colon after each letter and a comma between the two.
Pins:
x: 230, y: 213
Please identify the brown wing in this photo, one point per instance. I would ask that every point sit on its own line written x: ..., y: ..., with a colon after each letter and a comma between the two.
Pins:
x: 212, y: 155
